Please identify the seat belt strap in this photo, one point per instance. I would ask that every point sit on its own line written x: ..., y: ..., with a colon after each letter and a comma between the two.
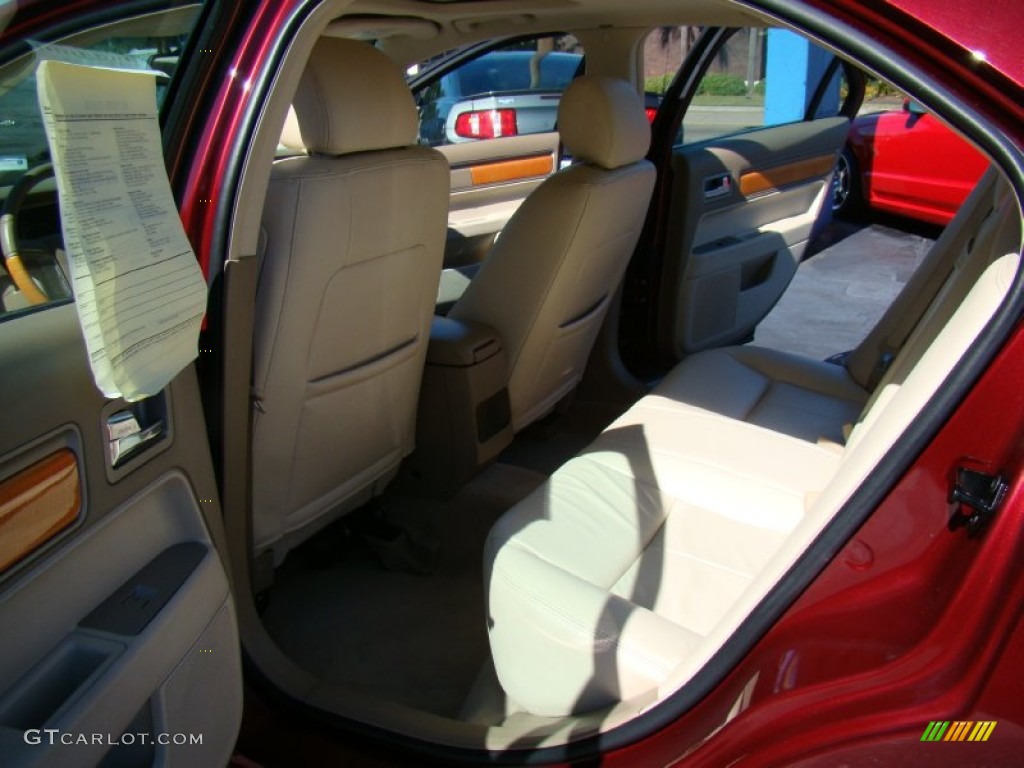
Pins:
x: 928, y: 293
x: 240, y: 281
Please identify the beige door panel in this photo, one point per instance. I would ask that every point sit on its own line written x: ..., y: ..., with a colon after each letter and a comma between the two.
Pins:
x: 743, y: 211
x: 124, y: 618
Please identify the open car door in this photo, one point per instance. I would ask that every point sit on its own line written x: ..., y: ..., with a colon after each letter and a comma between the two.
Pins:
x: 119, y: 642
x: 749, y: 180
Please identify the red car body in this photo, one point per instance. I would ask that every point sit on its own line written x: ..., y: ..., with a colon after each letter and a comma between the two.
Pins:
x: 907, y: 623
x: 911, y: 164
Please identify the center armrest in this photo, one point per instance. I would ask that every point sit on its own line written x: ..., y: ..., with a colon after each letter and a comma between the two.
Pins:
x: 459, y: 344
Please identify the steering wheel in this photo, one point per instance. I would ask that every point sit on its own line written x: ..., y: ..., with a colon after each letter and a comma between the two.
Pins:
x: 8, y: 233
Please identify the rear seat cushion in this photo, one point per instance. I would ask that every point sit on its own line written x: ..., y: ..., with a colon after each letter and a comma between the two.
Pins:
x: 609, y: 576
x: 803, y: 398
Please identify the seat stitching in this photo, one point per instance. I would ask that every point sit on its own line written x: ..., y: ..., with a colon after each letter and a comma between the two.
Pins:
x: 709, y: 563
x: 701, y: 463
x: 784, y: 380
x: 707, y: 415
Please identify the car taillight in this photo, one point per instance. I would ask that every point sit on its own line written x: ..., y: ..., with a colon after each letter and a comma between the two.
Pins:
x: 652, y: 112
x: 488, y: 124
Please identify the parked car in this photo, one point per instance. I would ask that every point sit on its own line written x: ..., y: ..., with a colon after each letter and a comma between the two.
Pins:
x: 501, y: 93
x: 906, y: 162
x: 353, y: 528
x: 512, y: 114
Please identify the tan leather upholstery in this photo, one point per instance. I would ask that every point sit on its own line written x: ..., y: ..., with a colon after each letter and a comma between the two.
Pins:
x: 599, y: 122
x: 548, y: 280
x: 355, y: 238
x: 891, y: 332
x: 377, y: 111
x: 609, y: 577
x: 978, y: 279
x: 623, y: 574
x: 786, y: 393
x: 291, y: 135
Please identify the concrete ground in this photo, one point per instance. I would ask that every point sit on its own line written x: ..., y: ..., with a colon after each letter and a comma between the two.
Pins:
x: 840, y: 293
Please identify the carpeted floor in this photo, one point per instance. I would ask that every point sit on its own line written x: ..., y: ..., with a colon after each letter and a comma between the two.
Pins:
x: 547, y: 444
x: 415, y: 639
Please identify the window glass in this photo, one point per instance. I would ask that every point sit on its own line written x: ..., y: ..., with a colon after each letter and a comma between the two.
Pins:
x: 832, y: 95
x: 757, y: 78
x: 880, y: 96
x: 155, y: 41
x: 665, y: 49
x: 509, y: 91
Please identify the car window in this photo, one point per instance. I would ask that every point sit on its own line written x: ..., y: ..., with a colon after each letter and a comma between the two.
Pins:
x: 834, y: 88
x: 155, y: 41
x: 881, y: 96
x: 745, y: 88
x: 664, y: 50
x: 509, y: 91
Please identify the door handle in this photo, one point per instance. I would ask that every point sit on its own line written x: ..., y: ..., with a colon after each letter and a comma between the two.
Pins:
x: 717, y: 186
x: 127, y: 437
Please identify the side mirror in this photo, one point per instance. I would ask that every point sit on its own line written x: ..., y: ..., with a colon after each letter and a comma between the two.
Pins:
x: 913, y: 107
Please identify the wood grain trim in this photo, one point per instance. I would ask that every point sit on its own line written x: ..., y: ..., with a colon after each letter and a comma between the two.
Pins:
x: 756, y: 182
x: 511, y: 170
x: 38, y: 503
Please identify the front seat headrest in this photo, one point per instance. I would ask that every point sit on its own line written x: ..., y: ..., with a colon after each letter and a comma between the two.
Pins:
x: 602, y: 121
x: 352, y: 98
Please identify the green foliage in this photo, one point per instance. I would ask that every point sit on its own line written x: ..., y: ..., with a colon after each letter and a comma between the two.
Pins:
x: 875, y: 89
x: 722, y: 84
x: 658, y: 84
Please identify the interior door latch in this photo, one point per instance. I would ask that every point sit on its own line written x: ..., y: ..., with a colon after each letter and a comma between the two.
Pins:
x: 977, y: 497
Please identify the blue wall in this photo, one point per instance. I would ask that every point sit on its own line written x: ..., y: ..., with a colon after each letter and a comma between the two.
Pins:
x: 794, y: 67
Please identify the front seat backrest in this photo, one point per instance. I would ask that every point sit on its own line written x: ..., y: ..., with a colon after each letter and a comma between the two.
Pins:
x: 548, y: 280
x: 355, y: 235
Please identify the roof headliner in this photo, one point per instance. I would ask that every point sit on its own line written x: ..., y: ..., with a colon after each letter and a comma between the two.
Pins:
x: 423, y: 28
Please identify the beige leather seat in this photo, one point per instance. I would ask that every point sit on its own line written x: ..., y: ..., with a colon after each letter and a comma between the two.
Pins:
x: 354, y: 242
x: 619, y: 578
x: 819, y: 402
x: 548, y: 280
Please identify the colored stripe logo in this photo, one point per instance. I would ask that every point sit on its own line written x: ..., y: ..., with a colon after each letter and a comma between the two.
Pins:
x: 958, y: 730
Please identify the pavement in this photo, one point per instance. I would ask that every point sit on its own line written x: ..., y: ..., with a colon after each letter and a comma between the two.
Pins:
x: 843, y: 290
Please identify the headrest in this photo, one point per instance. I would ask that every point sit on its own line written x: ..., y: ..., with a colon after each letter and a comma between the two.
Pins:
x: 291, y: 136
x: 351, y: 98
x: 602, y: 121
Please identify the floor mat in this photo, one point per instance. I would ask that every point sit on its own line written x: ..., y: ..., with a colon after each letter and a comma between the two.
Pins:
x: 415, y: 639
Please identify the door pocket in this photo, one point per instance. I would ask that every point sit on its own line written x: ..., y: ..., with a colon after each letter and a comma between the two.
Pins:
x: 756, y: 271
x: 54, y: 683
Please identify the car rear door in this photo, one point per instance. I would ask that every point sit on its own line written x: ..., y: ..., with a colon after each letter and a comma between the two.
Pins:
x: 747, y: 182
x: 120, y: 641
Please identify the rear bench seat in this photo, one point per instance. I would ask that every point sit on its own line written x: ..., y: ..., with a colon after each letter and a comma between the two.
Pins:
x: 622, y: 575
